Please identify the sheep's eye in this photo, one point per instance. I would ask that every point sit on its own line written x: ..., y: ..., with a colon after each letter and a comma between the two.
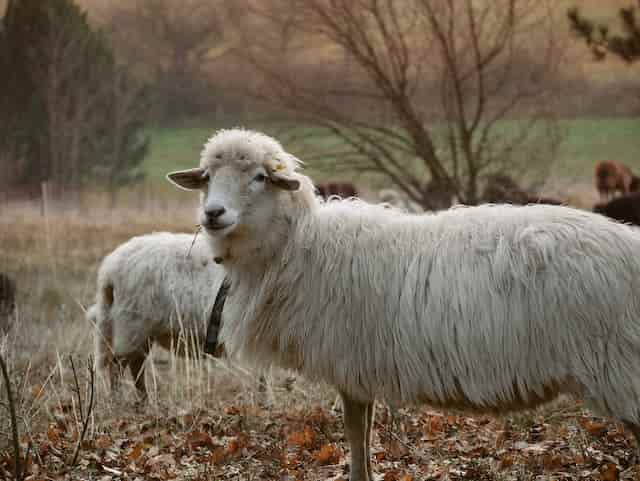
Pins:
x: 260, y: 177
x: 218, y: 156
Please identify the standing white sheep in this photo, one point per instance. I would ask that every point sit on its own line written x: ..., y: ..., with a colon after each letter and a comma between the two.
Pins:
x: 152, y: 289
x: 490, y: 308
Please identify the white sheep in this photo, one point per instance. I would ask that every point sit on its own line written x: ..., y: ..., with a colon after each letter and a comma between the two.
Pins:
x: 152, y: 289
x: 489, y: 308
x: 399, y: 200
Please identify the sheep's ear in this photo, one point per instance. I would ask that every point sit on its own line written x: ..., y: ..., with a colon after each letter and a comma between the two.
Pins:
x: 283, y: 181
x: 191, y: 179
x: 278, y: 175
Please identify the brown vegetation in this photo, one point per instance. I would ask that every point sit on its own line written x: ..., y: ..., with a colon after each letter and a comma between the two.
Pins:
x: 215, y: 78
x: 173, y: 45
x: 418, y: 88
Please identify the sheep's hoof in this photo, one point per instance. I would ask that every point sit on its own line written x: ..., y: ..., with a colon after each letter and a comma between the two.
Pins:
x: 289, y: 382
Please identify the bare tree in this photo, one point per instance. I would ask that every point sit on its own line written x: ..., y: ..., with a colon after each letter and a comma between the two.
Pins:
x: 625, y: 45
x: 432, y: 94
x: 174, y: 44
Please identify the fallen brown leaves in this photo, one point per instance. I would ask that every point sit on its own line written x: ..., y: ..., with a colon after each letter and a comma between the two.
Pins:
x: 272, y: 443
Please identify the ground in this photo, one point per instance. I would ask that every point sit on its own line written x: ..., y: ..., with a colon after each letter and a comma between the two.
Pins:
x: 207, y: 420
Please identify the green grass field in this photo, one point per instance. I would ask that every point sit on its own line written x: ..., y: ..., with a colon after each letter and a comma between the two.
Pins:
x: 590, y: 140
x: 586, y: 141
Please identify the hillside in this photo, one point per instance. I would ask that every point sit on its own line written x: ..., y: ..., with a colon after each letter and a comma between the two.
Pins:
x: 603, y: 10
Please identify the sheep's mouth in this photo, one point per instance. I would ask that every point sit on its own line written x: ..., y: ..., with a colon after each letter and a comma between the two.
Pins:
x: 217, y: 226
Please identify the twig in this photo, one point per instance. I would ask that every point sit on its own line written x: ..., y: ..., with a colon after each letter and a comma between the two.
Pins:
x: 195, y: 236
x: 85, y: 420
x: 76, y: 386
x: 26, y: 459
x: 18, y: 472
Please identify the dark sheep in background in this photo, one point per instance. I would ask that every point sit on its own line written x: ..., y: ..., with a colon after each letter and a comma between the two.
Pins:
x: 341, y: 189
x: 624, y: 209
x: 502, y: 189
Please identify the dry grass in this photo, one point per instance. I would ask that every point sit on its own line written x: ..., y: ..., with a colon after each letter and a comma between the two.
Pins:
x: 209, y: 421
x: 54, y: 260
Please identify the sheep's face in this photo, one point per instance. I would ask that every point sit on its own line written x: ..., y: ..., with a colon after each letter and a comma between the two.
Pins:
x: 243, y: 197
x: 234, y: 196
x: 242, y: 176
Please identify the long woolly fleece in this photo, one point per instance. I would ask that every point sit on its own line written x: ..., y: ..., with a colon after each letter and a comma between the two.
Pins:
x: 151, y: 288
x: 489, y: 307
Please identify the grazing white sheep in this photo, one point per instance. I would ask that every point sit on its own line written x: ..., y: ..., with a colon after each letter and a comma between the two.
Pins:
x: 152, y: 289
x: 399, y: 200
x: 489, y: 308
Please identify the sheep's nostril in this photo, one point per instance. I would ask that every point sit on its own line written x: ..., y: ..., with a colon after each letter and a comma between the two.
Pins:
x: 215, y: 212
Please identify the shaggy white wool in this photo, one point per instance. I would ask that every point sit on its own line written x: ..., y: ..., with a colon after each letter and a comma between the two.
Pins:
x: 490, y: 307
x: 152, y: 289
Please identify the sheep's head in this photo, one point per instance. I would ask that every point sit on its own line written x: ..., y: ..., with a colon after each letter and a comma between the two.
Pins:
x: 242, y: 175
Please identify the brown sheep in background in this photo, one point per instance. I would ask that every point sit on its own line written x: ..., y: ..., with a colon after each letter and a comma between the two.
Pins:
x: 612, y: 177
x: 341, y: 189
x: 625, y: 208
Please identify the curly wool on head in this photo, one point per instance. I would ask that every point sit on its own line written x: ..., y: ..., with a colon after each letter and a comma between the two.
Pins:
x: 245, y: 147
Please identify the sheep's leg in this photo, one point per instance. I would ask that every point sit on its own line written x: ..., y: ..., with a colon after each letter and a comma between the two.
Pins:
x: 262, y: 383
x: 371, y: 411
x: 136, y: 366
x: 635, y: 429
x: 114, y: 370
x: 117, y: 368
x: 355, y: 426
